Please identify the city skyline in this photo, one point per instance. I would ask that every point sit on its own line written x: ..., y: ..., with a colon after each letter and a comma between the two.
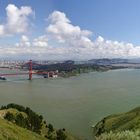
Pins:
x: 57, y: 30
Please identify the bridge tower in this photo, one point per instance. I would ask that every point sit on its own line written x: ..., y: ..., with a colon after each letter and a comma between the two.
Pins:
x: 30, y: 70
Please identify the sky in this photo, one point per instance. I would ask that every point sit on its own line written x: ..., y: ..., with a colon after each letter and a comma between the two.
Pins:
x: 69, y: 29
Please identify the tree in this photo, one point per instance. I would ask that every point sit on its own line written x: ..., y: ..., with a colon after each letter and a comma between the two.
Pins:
x: 50, y: 126
x: 61, y: 135
x: 9, y: 116
x: 21, y: 121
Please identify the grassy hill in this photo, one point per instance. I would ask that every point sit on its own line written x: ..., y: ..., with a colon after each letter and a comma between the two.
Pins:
x: 10, y: 131
x: 21, y: 123
x: 121, y: 126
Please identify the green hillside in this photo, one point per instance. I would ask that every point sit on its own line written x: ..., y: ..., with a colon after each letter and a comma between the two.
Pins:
x: 122, y: 126
x: 10, y: 131
x: 21, y: 123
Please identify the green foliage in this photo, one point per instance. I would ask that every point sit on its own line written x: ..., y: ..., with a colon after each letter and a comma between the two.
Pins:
x: 26, y: 118
x: 33, y: 121
x: 9, y: 116
x: 61, y: 135
x: 123, y: 126
x: 50, y: 126
x: 124, y: 135
x: 2, y: 107
x: 49, y: 137
x: 10, y: 131
x: 120, y: 122
x: 12, y: 105
x: 21, y: 121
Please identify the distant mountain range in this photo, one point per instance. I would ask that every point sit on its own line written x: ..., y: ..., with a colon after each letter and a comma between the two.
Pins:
x: 106, y: 61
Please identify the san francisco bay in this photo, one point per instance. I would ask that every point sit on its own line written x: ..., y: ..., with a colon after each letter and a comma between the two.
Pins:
x: 76, y: 103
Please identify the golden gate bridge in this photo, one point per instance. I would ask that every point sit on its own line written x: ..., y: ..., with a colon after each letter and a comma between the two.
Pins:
x: 30, y: 72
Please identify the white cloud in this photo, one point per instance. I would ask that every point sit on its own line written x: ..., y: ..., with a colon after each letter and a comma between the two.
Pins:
x: 1, y: 30
x: 41, y: 41
x: 63, y: 40
x: 17, y: 20
x: 100, y: 39
x: 24, y: 42
x: 63, y: 31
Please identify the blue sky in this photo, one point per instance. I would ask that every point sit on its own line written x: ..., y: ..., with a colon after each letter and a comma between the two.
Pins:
x: 115, y: 20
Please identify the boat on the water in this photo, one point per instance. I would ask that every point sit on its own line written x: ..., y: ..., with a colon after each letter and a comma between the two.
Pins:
x: 2, y: 78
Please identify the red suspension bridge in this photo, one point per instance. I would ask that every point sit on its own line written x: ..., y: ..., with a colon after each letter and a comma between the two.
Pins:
x: 31, y: 72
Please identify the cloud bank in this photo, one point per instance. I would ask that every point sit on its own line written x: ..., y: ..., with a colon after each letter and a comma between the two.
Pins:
x: 61, y: 40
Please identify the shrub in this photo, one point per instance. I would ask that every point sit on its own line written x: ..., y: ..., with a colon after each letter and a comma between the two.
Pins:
x: 32, y: 122
x: 50, y: 126
x: 124, y: 135
x: 21, y: 121
x: 61, y: 135
x: 9, y: 116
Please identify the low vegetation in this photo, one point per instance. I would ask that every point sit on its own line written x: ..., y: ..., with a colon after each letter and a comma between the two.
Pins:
x: 124, y: 126
x: 10, y: 131
x: 26, y: 118
x: 123, y: 135
x: 32, y: 121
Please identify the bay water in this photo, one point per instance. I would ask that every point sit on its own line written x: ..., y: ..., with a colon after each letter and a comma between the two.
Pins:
x: 75, y: 103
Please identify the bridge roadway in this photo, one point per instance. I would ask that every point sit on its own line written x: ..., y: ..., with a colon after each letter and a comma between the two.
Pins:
x: 30, y: 72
